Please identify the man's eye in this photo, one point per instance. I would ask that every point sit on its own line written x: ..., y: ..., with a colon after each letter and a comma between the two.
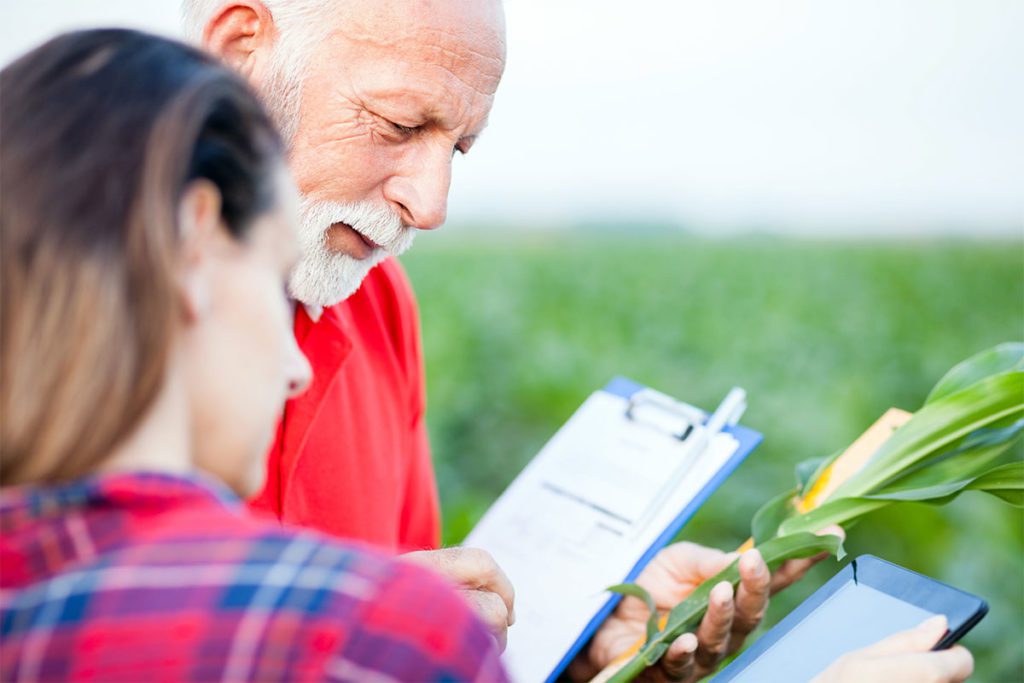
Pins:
x: 404, y: 130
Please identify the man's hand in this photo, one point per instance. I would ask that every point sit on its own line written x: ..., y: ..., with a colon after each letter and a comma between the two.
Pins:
x: 671, y: 576
x: 477, y: 576
x: 905, y: 657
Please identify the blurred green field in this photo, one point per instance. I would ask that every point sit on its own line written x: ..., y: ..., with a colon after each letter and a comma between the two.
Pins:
x: 823, y: 335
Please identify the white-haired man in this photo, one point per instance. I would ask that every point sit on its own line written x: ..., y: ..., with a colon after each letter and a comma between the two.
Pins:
x: 374, y: 98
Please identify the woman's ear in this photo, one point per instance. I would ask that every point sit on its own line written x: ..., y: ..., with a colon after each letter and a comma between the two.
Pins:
x: 199, y: 225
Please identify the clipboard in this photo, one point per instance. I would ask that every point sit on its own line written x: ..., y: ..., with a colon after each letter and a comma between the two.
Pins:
x: 573, y: 512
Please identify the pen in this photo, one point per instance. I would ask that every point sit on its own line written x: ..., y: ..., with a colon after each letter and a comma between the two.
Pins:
x: 727, y: 413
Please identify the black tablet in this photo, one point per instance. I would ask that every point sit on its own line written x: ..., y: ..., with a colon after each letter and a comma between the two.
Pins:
x: 867, y: 601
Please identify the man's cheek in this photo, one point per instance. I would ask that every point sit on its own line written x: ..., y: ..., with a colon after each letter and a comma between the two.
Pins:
x: 348, y: 153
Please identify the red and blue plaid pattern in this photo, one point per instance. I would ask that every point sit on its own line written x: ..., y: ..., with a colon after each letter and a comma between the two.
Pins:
x: 148, y: 577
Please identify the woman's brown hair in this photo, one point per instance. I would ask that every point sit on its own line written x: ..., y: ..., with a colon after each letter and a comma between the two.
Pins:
x: 100, y: 134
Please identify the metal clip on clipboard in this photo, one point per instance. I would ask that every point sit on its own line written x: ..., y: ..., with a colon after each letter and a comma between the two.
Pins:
x: 663, y: 412
x: 688, y: 422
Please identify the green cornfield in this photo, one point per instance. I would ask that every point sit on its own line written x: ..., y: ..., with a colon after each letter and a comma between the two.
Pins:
x: 823, y: 335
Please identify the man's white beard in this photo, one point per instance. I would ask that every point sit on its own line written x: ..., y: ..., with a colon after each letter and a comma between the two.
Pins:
x: 322, y: 277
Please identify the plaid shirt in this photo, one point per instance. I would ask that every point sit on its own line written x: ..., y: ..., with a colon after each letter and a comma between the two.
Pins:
x: 152, y: 577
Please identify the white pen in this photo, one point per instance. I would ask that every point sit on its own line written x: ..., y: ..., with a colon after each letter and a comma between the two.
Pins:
x: 728, y: 412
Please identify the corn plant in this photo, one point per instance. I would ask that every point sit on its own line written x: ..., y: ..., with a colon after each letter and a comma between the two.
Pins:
x: 959, y: 440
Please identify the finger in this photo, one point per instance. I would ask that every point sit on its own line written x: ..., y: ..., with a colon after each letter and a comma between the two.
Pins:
x: 791, y: 571
x: 489, y: 576
x: 470, y: 568
x: 943, y: 666
x: 957, y: 662
x: 919, y: 639
x: 677, y: 663
x: 751, y: 596
x: 713, y: 633
x: 492, y: 611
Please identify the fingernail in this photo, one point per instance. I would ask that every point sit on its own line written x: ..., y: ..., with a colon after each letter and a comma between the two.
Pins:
x: 723, y: 593
x: 688, y: 642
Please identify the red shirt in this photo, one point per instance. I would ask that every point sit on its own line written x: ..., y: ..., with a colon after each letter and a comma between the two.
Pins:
x: 351, y: 457
x: 158, y: 577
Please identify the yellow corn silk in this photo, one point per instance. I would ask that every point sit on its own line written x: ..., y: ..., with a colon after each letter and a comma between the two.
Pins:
x: 845, y: 466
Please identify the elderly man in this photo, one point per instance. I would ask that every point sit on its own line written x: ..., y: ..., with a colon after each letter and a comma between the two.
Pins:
x: 374, y: 98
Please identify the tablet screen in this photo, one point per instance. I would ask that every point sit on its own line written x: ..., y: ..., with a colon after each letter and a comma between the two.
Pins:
x: 855, y: 616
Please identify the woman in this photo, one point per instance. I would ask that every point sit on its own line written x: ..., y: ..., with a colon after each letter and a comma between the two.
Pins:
x: 145, y: 352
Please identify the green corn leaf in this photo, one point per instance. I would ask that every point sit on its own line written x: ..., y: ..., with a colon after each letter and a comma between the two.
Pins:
x: 937, y: 425
x: 1005, y: 481
x: 639, y: 592
x: 994, y: 361
x: 968, y: 457
x: 765, y: 524
x: 939, y: 493
x: 838, y: 511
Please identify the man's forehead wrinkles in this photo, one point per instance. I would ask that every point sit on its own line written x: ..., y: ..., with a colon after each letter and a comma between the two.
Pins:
x: 479, y: 81
x: 465, y: 44
x: 430, y: 45
x: 460, y: 50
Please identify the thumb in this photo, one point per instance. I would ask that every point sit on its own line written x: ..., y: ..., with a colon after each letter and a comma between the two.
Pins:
x: 919, y: 639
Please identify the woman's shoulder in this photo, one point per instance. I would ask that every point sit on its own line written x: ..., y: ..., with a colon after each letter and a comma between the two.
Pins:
x: 361, y: 609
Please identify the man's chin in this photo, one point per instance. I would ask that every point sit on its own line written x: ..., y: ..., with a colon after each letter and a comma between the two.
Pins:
x: 331, y: 283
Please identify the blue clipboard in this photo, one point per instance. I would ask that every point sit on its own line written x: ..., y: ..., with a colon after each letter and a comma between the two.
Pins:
x: 748, y: 440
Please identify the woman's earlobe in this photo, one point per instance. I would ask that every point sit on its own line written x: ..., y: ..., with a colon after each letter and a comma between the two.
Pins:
x: 199, y: 225
x: 194, y: 292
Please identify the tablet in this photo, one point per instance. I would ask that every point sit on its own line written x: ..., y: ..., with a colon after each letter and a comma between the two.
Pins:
x: 867, y: 601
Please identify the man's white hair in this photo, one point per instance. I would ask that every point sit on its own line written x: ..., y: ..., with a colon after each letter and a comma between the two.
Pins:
x: 300, y: 27
x: 289, y: 15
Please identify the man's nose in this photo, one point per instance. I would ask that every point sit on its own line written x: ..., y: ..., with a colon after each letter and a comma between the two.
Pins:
x: 421, y: 191
x: 298, y: 372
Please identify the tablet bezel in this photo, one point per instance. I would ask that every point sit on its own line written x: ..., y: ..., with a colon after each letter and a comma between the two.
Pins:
x: 962, y: 609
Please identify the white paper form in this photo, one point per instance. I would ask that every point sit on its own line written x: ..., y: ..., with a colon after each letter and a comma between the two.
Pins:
x: 580, y: 517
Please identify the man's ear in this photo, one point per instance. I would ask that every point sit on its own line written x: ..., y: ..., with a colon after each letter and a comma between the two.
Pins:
x: 200, y: 228
x: 242, y: 34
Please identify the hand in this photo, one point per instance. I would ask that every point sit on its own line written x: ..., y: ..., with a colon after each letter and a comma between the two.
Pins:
x: 479, y: 579
x: 670, y: 577
x: 905, y: 657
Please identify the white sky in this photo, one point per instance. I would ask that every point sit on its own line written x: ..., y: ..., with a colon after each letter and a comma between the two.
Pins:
x: 861, y: 116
